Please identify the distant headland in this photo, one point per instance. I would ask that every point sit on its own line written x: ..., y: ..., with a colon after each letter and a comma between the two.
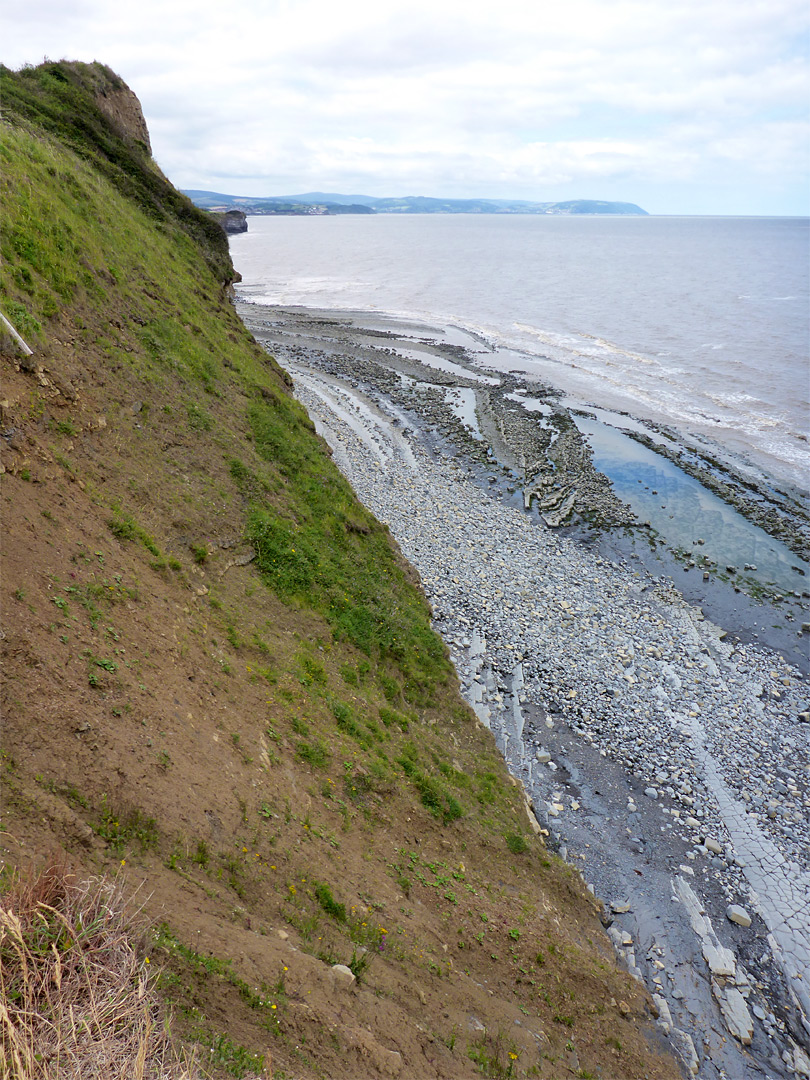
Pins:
x: 321, y: 202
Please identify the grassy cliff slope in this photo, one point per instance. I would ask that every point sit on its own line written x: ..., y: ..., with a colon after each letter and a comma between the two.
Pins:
x: 220, y: 681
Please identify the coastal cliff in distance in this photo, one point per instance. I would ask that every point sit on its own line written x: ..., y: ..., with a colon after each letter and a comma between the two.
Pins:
x: 320, y: 202
x: 222, y: 692
x: 232, y: 222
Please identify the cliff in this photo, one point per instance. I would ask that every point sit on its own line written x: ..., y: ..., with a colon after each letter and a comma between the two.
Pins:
x: 231, y: 221
x: 220, y: 681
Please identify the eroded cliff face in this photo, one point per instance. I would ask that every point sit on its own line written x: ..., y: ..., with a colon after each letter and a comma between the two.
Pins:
x: 123, y: 110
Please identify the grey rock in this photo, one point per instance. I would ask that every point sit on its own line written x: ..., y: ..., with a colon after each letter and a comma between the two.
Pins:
x: 738, y: 915
x: 344, y: 976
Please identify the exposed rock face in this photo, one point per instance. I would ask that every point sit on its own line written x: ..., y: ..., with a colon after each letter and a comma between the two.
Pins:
x: 232, y: 221
x: 122, y: 108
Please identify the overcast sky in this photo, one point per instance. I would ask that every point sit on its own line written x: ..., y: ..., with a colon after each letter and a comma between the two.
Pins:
x: 682, y: 106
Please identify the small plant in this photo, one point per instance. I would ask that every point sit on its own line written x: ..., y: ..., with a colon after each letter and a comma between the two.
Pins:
x: 312, y: 671
x: 199, y: 419
x: 299, y: 726
x: 122, y: 527
x: 348, y: 673
x: 516, y: 843
x: 323, y: 894
x: 359, y: 964
x: 119, y: 830
x: 314, y: 753
x: 201, y: 855
x: 391, y: 717
x: 566, y: 1021
x: 199, y: 553
x: 491, y: 1055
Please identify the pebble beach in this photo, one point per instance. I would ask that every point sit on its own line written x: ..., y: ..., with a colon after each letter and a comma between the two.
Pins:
x: 665, y: 758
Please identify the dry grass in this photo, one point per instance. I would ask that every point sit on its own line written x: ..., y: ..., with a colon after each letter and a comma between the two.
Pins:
x: 77, y: 997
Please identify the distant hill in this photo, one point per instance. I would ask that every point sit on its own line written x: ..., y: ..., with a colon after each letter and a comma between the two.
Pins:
x: 320, y: 202
x: 312, y: 204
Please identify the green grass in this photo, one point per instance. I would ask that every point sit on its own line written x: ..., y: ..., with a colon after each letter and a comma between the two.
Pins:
x: 121, y: 828
x: 323, y: 551
x: 432, y: 792
x: 79, y: 230
x: 323, y: 894
x: 314, y: 753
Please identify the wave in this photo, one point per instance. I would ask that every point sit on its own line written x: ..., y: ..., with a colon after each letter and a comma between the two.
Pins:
x: 671, y: 386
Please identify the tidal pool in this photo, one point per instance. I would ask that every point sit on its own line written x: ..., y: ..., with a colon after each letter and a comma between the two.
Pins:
x: 683, y: 512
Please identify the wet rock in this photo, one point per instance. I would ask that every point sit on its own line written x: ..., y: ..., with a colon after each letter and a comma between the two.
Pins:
x: 685, y: 1049
x: 801, y: 1062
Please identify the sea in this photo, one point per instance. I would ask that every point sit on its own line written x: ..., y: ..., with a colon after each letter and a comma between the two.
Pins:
x: 698, y: 323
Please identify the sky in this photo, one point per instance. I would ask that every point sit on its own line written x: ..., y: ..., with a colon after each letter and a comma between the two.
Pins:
x: 680, y: 106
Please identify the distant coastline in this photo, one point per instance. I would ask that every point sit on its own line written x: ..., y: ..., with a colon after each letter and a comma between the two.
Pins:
x: 320, y: 203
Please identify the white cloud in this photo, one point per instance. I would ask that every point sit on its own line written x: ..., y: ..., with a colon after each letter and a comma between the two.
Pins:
x: 516, y: 99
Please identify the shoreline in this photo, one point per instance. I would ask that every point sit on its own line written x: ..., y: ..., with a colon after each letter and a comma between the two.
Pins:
x: 657, y: 750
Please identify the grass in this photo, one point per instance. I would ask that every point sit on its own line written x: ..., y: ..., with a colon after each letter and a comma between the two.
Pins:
x: 323, y: 894
x: 433, y: 793
x: 323, y: 551
x: 121, y: 829
x: 78, y: 993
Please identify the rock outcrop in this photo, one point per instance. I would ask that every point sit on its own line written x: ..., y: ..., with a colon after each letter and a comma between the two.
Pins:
x: 232, y: 221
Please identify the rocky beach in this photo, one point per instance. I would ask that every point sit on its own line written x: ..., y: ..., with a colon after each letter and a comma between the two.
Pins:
x: 652, y: 701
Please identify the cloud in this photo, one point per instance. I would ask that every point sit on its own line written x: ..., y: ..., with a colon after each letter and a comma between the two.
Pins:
x: 509, y: 99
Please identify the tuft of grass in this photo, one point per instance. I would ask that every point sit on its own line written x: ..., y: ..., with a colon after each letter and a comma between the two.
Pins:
x: 314, y: 753
x: 323, y: 894
x: 199, y: 552
x: 432, y: 792
x: 79, y: 996
x: 121, y: 829
x: 125, y: 527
